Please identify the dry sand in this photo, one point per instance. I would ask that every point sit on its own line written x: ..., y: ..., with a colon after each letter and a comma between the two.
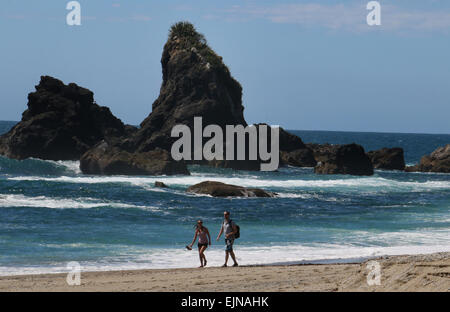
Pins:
x: 398, y: 273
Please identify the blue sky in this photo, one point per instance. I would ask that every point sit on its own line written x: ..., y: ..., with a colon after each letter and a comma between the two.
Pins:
x: 312, y: 65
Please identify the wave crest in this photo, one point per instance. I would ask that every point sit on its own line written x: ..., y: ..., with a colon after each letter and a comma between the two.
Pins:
x: 32, y: 166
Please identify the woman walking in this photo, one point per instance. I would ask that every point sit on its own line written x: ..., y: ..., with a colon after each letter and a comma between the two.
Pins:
x: 204, y: 239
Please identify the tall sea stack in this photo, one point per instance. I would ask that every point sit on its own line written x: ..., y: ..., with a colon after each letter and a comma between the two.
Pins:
x: 196, y: 83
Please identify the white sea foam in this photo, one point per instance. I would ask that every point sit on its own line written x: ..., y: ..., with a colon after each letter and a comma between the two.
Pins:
x: 73, y: 166
x: 358, y: 184
x: 257, y: 255
x: 17, y: 200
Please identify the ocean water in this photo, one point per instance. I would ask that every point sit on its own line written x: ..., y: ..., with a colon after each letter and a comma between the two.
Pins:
x: 51, y: 214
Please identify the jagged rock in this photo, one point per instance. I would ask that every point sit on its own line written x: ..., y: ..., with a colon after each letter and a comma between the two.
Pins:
x: 190, y: 88
x: 61, y: 123
x: 388, y: 158
x: 298, y: 158
x: 160, y: 184
x: 219, y: 189
x: 437, y: 161
x: 64, y: 123
x: 104, y: 159
x: 196, y: 83
x: 293, y: 151
x: 341, y: 159
x: 321, y: 151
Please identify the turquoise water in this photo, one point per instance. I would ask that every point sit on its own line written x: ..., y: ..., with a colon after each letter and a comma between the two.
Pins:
x: 51, y: 214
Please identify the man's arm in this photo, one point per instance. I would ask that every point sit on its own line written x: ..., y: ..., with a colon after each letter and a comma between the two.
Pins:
x: 220, y: 233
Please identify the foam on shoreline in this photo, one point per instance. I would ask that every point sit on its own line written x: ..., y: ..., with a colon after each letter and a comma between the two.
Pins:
x: 247, y: 256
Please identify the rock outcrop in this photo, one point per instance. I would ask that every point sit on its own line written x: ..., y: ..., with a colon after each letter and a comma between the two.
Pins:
x: 219, y: 189
x: 196, y: 83
x: 294, y: 152
x: 341, y: 159
x: 64, y: 123
x: 61, y: 123
x: 160, y: 184
x: 388, y: 158
x: 437, y: 161
x: 104, y: 159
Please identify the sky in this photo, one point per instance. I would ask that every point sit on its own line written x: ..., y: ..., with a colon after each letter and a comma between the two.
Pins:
x: 306, y: 65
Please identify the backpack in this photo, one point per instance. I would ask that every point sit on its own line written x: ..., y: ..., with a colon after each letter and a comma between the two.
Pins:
x: 238, y: 230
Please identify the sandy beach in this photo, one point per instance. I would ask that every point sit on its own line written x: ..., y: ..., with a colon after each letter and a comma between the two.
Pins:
x: 398, y: 273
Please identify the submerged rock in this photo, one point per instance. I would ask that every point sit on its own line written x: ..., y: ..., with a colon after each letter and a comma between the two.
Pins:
x: 341, y: 159
x: 160, y: 184
x: 437, y: 161
x: 219, y: 189
x: 61, y: 123
x: 388, y: 158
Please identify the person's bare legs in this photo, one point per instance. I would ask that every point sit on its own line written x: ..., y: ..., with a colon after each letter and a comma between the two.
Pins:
x: 226, y: 258
x: 202, y: 255
x: 233, y: 257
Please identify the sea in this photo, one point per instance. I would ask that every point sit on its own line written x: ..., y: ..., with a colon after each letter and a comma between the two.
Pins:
x: 51, y: 214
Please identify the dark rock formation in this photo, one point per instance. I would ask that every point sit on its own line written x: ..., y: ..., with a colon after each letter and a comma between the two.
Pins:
x: 320, y: 151
x: 341, y: 159
x: 196, y: 83
x: 160, y: 184
x: 388, y: 158
x: 293, y: 151
x: 104, y: 159
x: 64, y: 123
x: 298, y: 158
x: 437, y: 161
x: 219, y: 189
x: 61, y: 123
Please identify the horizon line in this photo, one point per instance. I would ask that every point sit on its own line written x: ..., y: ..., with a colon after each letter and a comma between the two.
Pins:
x: 350, y: 131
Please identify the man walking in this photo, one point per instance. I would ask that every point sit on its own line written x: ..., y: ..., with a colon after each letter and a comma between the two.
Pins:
x: 230, y: 229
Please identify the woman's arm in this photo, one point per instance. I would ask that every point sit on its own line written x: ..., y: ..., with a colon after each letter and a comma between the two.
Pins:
x: 195, y: 237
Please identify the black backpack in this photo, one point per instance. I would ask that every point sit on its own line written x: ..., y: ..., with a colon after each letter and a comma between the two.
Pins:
x: 238, y: 232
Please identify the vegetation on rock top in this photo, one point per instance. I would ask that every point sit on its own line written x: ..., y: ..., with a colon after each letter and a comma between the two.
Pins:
x: 187, y: 37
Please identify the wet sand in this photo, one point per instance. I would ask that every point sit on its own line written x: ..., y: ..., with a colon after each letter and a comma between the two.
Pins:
x: 398, y: 273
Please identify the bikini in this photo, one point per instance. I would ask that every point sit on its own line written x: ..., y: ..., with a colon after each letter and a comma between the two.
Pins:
x: 202, y: 239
